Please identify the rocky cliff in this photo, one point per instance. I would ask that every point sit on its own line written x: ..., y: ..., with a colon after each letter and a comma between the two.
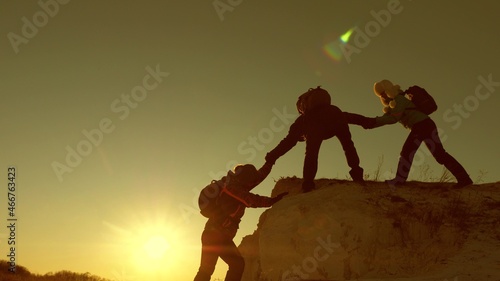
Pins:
x: 345, y: 231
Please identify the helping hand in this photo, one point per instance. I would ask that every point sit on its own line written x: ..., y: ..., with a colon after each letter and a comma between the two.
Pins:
x: 369, y: 123
x: 358, y: 119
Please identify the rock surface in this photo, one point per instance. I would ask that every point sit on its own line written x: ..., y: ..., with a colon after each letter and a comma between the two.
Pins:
x: 345, y: 231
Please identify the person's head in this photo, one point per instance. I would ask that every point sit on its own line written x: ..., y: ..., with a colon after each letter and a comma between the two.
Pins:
x: 387, y: 91
x: 245, y: 175
x: 313, y: 98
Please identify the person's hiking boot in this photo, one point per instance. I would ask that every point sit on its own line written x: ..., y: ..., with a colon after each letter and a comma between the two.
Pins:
x: 463, y: 183
x: 357, y: 175
x: 458, y: 171
x: 308, y: 186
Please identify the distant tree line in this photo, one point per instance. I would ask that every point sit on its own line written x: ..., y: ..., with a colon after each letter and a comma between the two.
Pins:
x: 23, y: 274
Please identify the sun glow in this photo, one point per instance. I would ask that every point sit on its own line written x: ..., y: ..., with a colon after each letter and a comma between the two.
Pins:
x: 156, y: 247
x: 152, y: 251
x: 148, y: 246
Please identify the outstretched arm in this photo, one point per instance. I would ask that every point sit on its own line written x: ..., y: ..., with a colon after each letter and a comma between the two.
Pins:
x: 263, y: 172
x: 250, y: 199
x: 358, y: 119
x: 294, y: 135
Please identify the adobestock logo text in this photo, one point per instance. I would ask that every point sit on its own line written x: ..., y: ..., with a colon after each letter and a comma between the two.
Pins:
x: 48, y: 9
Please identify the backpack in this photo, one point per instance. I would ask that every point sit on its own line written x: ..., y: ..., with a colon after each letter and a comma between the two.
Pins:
x: 422, y: 100
x: 209, y: 197
x: 313, y: 98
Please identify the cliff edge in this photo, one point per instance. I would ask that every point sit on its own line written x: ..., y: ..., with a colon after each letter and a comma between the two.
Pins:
x: 345, y: 231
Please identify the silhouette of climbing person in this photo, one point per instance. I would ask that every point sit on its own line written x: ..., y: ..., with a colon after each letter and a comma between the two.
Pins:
x: 217, y: 237
x: 319, y: 120
x: 397, y: 108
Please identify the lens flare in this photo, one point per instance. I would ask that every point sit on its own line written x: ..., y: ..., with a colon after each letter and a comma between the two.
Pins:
x: 345, y: 37
x: 333, y: 49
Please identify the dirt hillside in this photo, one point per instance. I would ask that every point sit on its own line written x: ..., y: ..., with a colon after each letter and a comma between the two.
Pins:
x: 345, y: 231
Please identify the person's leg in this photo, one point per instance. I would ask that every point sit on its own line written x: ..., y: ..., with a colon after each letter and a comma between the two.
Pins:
x: 435, y: 146
x: 344, y: 136
x: 210, y: 251
x: 408, y: 151
x: 231, y: 255
x: 313, y: 144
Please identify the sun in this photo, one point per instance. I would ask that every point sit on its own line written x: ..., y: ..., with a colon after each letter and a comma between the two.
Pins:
x: 153, y: 250
x: 156, y: 247
x: 148, y: 244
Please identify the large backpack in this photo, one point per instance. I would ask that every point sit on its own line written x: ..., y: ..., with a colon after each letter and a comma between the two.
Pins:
x: 422, y: 100
x: 208, y: 200
x: 313, y: 98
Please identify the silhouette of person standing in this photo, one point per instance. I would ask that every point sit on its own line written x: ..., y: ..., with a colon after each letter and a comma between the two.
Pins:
x: 397, y: 108
x: 319, y: 120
